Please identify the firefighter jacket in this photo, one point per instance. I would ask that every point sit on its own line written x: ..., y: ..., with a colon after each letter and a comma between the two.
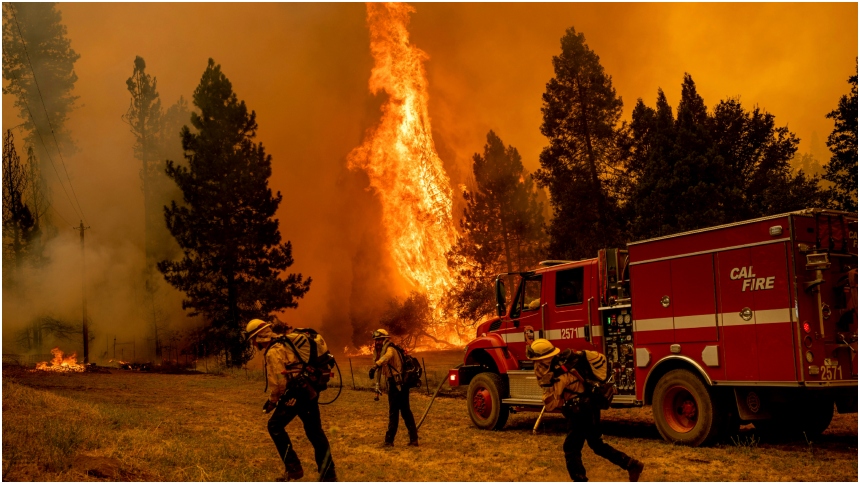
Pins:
x: 564, y: 388
x: 570, y: 384
x: 389, y: 363
x: 278, y: 359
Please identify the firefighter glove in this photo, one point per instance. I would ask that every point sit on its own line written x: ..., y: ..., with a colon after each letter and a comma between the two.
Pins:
x: 269, y: 406
x: 548, y: 379
x: 372, y: 372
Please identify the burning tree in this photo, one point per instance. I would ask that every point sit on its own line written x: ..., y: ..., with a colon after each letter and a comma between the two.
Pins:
x: 233, y: 255
x: 400, y: 157
x: 411, y: 320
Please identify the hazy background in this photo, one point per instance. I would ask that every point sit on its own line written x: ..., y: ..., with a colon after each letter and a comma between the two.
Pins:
x: 304, y: 69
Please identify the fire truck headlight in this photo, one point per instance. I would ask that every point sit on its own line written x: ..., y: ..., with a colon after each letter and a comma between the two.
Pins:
x: 809, y: 357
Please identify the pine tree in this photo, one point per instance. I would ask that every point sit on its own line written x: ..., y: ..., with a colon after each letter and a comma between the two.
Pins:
x: 580, y: 117
x: 704, y: 169
x: 502, y: 229
x: 233, y: 256
x: 18, y: 223
x: 842, y: 168
x: 39, y: 27
x: 144, y: 118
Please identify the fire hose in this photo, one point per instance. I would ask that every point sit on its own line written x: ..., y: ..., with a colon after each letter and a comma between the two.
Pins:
x: 339, y: 387
x: 427, y: 410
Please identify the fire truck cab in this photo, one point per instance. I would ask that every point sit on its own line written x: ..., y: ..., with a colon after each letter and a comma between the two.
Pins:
x: 754, y: 321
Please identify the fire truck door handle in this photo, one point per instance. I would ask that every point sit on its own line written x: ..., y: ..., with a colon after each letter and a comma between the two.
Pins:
x: 542, y: 320
x: 588, y: 322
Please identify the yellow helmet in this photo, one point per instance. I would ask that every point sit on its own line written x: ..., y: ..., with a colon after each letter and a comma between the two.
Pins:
x: 254, y: 327
x: 541, y: 349
x: 380, y: 334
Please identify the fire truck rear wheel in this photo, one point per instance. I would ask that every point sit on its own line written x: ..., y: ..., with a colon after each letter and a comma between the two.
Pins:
x: 684, y: 410
x: 485, y: 401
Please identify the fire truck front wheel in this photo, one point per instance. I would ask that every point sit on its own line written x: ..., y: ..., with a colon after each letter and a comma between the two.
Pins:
x: 684, y: 409
x: 485, y: 401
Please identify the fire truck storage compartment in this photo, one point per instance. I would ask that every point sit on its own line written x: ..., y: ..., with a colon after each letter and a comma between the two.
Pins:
x: 675, y: 300
x: 755, y: 313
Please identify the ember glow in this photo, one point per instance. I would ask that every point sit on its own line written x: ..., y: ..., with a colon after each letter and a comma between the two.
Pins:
x: 400, y: 158
x: 61, y: 363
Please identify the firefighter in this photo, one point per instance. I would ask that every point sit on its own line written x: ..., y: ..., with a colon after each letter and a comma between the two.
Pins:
x: 390, y: 365
x: 290, y: 397
x: 564, y: 387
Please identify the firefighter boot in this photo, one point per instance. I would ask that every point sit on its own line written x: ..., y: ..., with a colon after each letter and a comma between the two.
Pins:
x: 292, y: 473
x: 634, y: 469
x: 413, y: 443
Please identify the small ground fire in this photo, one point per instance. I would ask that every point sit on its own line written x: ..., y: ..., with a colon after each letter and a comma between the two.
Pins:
x: 61, y: 363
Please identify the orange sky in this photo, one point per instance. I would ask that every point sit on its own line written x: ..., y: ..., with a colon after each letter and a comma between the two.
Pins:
x: 304, y: 69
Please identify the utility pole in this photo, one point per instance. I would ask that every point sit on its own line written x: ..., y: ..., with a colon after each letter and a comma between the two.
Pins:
x: 84, y: 294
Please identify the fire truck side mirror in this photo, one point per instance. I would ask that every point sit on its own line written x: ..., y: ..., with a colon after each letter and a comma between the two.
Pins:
x: 501, y: 308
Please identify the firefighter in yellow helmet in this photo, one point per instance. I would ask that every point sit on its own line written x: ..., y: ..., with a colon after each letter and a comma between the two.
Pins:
x: 390, y: 365
x: 566, y: 379
x: 289, y: 399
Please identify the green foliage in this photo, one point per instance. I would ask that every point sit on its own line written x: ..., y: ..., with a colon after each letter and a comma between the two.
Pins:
x: 842, y: 168
x: 502, y: 229
x: 233, y: 255
x: 702, y: 169
x: 580, y: 117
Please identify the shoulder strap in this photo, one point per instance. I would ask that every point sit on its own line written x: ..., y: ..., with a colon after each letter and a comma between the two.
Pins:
x: 292, y: 346
x: 399, y: 355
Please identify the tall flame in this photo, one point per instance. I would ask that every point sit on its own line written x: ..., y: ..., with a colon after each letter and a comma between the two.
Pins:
x: 400, y: 158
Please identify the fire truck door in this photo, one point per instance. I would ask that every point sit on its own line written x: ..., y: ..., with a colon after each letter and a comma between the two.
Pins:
x: 571, y: 300
x: 526, y: 312
x: 694, y: 303
x: 736, y: 315
x: 772, y: 303
x: 651, y: 286
x: 755, y: 314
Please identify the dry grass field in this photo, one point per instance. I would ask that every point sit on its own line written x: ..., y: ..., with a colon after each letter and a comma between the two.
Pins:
x: 133, y: 426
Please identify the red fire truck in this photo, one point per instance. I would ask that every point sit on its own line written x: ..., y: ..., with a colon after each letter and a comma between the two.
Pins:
x: 753, y: 321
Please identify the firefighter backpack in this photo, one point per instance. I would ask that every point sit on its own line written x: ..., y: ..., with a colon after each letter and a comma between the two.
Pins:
x: 597, y: 376
x: 411, y: 375
x: 311, y: 349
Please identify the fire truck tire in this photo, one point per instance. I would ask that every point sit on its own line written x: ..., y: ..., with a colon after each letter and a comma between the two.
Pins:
x: 685, y: 411
x: 485, y: 401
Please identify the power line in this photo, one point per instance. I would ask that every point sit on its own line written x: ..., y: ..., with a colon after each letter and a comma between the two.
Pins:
x: 59, y: 214
x: 44, y: 107
x: 36, y: 128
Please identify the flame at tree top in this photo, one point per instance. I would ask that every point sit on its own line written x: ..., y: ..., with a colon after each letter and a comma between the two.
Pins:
x: 400, y: 158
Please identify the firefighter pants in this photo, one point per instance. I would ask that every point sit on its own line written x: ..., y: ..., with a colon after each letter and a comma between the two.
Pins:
x: 308, y: 411
x: 398, y: 404
x: 584, y: 426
